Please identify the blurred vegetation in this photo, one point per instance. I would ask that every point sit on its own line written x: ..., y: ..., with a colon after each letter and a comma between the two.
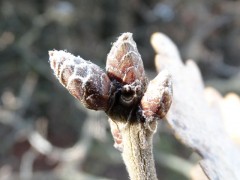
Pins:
x: 36, y: 111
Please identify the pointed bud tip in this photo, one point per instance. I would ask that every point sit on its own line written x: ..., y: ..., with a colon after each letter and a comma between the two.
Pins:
x: 126, y: 36
x: 50, y: 53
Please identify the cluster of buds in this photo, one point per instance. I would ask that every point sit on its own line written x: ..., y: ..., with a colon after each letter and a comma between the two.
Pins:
x: 123, y: 91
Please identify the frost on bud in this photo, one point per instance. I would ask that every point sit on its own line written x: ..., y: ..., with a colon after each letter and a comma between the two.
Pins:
x: 158, y: 97
x: 84, y: 80
x: 124, y: 62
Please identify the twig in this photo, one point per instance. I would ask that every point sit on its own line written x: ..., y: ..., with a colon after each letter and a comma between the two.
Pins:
x: 26, y: 167
x: 137, y: 149
x: 123, y: 94
x: 77, y: 153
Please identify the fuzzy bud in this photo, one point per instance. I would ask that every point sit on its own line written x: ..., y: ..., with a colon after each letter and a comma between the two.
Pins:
x: 158, y: 97
x: 124, y: 62
x: 84, y: 80
x: 125, y: 69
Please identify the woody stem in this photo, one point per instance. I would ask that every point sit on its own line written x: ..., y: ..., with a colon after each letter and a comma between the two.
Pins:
x: 137, y: 150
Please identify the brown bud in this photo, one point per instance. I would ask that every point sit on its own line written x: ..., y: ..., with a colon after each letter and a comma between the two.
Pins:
x: 125, y: 69
x: 84, y: 80
x: 124, y: 62
x: 158, y: 97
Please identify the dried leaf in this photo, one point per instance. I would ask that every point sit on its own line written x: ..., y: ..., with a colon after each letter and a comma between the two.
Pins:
x: 194, y: 122
x: 229, y: 108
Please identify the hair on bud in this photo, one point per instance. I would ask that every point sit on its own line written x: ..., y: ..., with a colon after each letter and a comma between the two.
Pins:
x: 125, y: 69
x: 84, y: 80
x: 124, y: 63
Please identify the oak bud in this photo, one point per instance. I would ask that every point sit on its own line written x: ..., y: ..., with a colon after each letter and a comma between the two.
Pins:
x: 124, y: 62
x: 84, y: 80
x: 125, y: 69
x: 158, y: 97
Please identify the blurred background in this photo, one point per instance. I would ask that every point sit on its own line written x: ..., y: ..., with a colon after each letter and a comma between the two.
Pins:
x: 47, y: 134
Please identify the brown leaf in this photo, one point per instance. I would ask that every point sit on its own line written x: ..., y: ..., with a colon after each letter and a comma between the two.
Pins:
x: 194, y: 122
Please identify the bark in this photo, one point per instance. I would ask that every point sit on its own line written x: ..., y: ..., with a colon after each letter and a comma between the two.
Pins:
x: 136, y: 146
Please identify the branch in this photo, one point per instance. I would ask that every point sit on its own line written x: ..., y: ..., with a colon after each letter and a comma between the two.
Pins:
x: 136, y: 142
x: 122, y: 92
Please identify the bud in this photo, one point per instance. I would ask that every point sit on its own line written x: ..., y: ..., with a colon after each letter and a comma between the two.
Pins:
x: 124, y: 62
x: 125, y: 69
x: 84, y: 80
x: 158, y: 97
